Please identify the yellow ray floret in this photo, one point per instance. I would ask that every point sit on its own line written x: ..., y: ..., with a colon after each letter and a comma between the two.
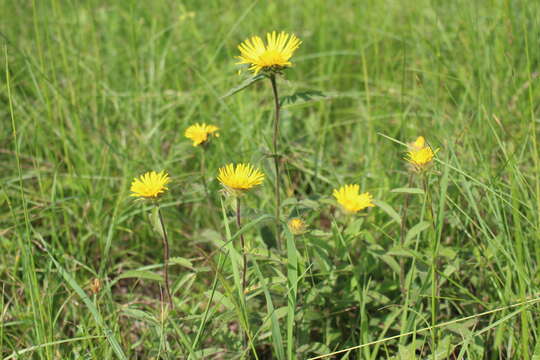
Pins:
x: 274, y: 55
x: 420, y: 154
x: 150, y: 185
x: 421, y: 157
x: 418, y: 144
x: 198, y: 133
x: 297, y: 226
x: 241, y: 177
x: 349, y: 197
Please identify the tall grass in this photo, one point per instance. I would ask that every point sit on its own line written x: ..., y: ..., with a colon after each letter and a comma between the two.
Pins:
x: 94, y: 93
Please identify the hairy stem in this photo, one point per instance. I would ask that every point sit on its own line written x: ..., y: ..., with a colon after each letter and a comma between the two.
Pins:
x: 242, y: 243
x: 165, y: 259
x: 275, y: 138
x: 244, y: 262
x: 203, y: 170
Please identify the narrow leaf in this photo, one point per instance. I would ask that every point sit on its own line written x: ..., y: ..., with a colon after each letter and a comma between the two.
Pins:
x: 246, y: 83
x: 388, y: 209
x: 408, y: 191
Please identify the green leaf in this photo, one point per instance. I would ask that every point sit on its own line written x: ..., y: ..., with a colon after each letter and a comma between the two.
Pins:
x: 154, y: 220
x: 292, y: 287
x: 388, y: 209
x: 415, y: 230
x: 303, y: 97
x: 139, y: 274
x: 250, y: 225
x: 408, y: 191
x: 182, y: 262
x: 391, y: 262
x: 536, y: 354
x: 140, y: 315
x: 274, y: 323
x: 246, y: 83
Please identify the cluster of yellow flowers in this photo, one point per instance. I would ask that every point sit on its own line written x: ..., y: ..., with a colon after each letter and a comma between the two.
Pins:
x: 273, y: 56
x: 241, y: 177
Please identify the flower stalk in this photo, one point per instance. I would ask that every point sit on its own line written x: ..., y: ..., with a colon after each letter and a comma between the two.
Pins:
x: 434, y: 260
x: 151, y: 186
x: 402, y: 238
x: 168, y: 296
x: 242, y: 244
x: 275, y: 139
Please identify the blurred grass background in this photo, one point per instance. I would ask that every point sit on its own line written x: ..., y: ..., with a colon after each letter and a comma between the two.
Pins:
x: 99, y: 92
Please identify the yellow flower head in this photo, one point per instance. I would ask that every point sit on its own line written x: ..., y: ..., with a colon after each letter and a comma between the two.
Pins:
x: 297, y: 226
x: 420, y: 155
x: 418, y: 144
x: 198, y: 133
x: 274, y: 56
x: 239, y: 178
x: 150, y: 185
x: 349, y: 197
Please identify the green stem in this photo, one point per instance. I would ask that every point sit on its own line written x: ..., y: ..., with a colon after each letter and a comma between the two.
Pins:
x: 434, y: 256
x: 244, y: 261
x: 402, y: 238
x: 242, y: 243
x: 275, y: 138
x: 165, y: 259
x: 203, y: 170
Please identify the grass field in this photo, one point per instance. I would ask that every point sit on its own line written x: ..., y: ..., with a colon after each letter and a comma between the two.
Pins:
x: 445, y: 266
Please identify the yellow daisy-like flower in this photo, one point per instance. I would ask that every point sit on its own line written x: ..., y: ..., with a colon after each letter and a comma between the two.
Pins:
x: 349, y: 197
x: 198, y: 133
x: 420, y: 158
x: 239, y: 178
x: 297, y: 226
x: 420, y: 155
x: 150, y: 185
x: 273, y: 56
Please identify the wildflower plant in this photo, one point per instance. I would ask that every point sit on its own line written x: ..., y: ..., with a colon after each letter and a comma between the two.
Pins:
x: 153, y: 185
x: 420, y: 157
x: 267, y: 60
x: 237, y: 180
x: 200, y: 135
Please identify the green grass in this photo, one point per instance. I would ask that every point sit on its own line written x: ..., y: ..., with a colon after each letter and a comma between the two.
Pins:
x: 94, y: 93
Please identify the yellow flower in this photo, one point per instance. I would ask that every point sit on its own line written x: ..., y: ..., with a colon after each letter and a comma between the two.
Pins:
x: 418, y: 144
x: 420, y: 155
x: 274, y: 56
x: 150, y: 185
x: 198, y: 133
x: 241, y: 177
x: 297, y: 226
x: 351, y: 200
x: 420, y: 158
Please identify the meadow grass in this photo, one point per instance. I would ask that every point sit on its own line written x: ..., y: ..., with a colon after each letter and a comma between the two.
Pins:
x: 94, y: 93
